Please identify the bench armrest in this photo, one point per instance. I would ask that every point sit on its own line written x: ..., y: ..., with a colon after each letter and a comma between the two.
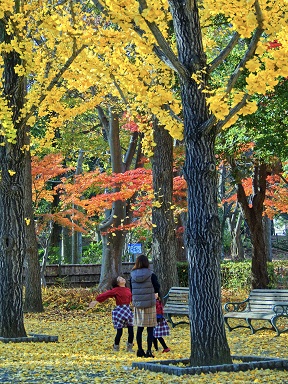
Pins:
x: 166, y: 296
x: 236, y: 306
x: 281, y: 308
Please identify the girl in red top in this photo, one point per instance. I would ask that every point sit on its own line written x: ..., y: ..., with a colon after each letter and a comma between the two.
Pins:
x: 122, y: 316
x: 162, y: 327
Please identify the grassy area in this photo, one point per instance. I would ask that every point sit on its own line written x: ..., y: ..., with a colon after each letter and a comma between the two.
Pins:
x: 84, y: 351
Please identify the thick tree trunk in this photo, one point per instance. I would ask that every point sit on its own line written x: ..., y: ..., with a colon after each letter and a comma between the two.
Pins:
x: 164, y: 249
x: 203, y: 241
x: 253, y: 214
x: 111, y: 265
x: 33, y: 293
x: 259, y: 257
x: 12, y: 214
x: 203, y: 235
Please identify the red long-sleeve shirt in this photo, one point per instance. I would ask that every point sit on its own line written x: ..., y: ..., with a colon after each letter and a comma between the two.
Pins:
x: 122, y: 295
x: 159, y: 308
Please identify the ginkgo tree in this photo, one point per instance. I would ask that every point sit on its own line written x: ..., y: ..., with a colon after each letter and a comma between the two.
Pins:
x: 206, y: 111
x: 39, y: 43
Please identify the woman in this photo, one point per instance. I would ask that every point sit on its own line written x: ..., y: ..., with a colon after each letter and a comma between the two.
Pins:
x: 145, y: 288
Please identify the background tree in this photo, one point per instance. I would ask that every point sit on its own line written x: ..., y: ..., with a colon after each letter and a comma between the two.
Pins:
x: 256, y: 148
x: 164, y: 246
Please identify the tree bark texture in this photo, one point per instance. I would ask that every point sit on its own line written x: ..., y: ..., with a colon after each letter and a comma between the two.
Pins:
x: 267, y: 227
x: 203, y: 234
x: 12, y: 223
x: 33, y: 293
x: 253, y: 215
x: 164, y: 246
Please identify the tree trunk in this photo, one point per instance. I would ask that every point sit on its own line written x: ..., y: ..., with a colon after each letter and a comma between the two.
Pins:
x: 66, y: 247
x: 203, y: 235
x: 163, y: 231
x: 253, y: 214
x: 33, y: 293
x: 113, y: 243
x: 12, y: 214
x: 267, y: 225
x: 234, y: 222
x: 111, y: 265
x: 77, y: 236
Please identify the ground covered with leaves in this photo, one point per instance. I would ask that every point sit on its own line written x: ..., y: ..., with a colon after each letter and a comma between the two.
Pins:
x: 84, y: 351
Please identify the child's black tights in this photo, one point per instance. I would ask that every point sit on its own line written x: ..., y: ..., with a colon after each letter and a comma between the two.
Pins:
x: 120, y: 332
x: 149, y: 337
x: 161, y: 341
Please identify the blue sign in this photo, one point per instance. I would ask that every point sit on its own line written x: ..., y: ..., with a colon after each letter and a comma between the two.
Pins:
x: 135, y: 248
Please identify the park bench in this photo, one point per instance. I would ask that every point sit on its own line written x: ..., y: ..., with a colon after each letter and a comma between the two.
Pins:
x: 262, y: 304
x: 176, y: 304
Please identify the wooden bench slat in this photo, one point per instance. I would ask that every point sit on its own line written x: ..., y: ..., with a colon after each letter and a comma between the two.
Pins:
x: 177, y: 304
x: 259, y: 306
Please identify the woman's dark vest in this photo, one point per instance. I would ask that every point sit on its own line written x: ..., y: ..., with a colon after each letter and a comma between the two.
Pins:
x: 143, y: 295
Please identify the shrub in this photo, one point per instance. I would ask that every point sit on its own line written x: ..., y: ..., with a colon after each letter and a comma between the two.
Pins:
x: 237, y: 275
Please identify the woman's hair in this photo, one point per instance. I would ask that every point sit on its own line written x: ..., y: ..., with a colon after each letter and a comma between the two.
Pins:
x: 141, y: 262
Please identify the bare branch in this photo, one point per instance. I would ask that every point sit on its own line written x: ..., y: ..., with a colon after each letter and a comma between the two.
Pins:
x: 119, y: 89
x: 207, y: 126
x: 164, y: 51
x: 222, y: 56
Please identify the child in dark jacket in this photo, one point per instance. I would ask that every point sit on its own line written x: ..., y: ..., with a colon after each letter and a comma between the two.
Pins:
x: 122, y: 316
x: 162, y: 327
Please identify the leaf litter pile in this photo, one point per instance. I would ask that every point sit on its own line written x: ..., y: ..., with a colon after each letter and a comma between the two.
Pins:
x: 84, y: 351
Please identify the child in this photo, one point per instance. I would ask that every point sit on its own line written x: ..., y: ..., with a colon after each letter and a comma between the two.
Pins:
x: 162, y: 327
x: 122, y: 316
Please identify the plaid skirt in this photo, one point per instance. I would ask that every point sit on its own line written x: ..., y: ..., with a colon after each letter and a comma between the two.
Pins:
x: 145, y: 317
x: 122, y: 316
x: 161, y: 329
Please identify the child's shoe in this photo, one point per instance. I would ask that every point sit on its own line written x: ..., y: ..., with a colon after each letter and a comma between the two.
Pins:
x: 166, y: 350
x: 149, y: 354
x: 129, y: 347
x: 115, y: 348
x: 140, y: 353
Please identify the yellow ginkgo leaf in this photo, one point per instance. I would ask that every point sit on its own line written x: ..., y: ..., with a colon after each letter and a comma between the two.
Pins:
x: 11, y: 173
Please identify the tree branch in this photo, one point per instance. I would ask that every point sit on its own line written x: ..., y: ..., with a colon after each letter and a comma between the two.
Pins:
x: 232, y: 113
x: 222, y: 56
x: 236, y: 74
x: 164, y: 51
x: 250, y: 50
x: 119, y: 89
x: 53, y: 83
